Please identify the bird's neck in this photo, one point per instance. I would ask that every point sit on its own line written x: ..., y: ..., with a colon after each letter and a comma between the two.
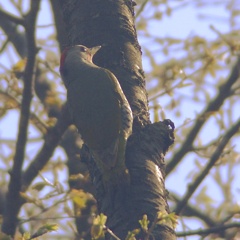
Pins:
x: 75, y: 68
x: 79, y: 61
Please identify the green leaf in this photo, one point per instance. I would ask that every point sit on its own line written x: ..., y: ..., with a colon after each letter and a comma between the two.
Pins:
x: 45, y: 229
x: 144, y: 223
x: 98, y: 227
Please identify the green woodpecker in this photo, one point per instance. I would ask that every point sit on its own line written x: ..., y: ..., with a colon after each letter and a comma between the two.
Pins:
x: 99, y: 110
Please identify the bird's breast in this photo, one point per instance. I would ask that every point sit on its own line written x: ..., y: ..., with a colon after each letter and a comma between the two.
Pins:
x: 96, y: 111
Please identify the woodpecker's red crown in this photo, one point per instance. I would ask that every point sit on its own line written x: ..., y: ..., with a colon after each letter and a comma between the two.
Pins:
x: 84, y: 53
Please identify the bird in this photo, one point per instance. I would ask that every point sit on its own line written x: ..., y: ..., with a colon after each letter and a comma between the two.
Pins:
x: 99, y: 109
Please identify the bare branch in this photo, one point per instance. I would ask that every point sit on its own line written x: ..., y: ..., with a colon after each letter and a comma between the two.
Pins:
x: 17, y: 38
x: 33, y: 117
x: 192, y: 211
x: 52, y: 139
x: 192, y: 187
x: 209, y: 230
x: 224, y: 92
x: 12, y: 18
x: 13, y: 198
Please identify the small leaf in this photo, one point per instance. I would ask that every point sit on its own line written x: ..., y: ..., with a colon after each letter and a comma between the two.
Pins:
x: 39, y: 186
x: 26, y: 236
x: 75, y: 177
x: 45, y: 229
x: 97, y: 229
x: 79, y: 197
x: 182, y: 85
x: 144, y: 223
x: 167, y: 219
x: 100, y: 219
x: 173, y: 218
x: 169, y: 11
x: 20, y: 65
x: 131, y: 235
x: 52, y: 227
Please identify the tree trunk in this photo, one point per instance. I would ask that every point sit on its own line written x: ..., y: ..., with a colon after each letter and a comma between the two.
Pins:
x: 111, y: 24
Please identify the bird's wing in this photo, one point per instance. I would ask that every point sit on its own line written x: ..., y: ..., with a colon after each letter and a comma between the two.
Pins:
x: 126, y: 112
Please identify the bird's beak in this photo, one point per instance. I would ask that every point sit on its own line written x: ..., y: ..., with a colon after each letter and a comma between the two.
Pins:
x: 93, y: 50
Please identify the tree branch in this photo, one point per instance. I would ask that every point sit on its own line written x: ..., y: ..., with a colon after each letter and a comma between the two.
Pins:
x: 13, y: 197
x: 12, y: 18
x: 40, y: 125
x: 52, y: 139
x: 209, y: 230
x: 192, y: 187
x: 214, y: 105
x: 190, y: 211
x: 17, y: 38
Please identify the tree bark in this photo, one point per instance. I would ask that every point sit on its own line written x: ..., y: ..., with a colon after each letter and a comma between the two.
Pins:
x: 111, y: 24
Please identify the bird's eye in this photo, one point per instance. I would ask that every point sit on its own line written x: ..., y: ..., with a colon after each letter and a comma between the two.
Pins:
x: 83, y: 49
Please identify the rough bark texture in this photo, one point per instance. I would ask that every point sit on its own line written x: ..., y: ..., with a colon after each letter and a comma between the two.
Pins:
x: 111, y: 24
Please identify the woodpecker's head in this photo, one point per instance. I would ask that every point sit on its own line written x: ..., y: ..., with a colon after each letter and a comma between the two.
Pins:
x: 75, y: 57
x: 79, y: 52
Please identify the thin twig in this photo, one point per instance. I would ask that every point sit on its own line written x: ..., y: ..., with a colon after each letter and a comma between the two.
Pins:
x: 35, y: 217
x: 224, y: 38
x: 141, y: 8
x: 209, y: 230
x: 112, y: 234
x: 214, y: 105
x: 178, y: 84
x: 192, y: 187
x: 193, y: 211
x: 52, y: 139
x: 42, y: 127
